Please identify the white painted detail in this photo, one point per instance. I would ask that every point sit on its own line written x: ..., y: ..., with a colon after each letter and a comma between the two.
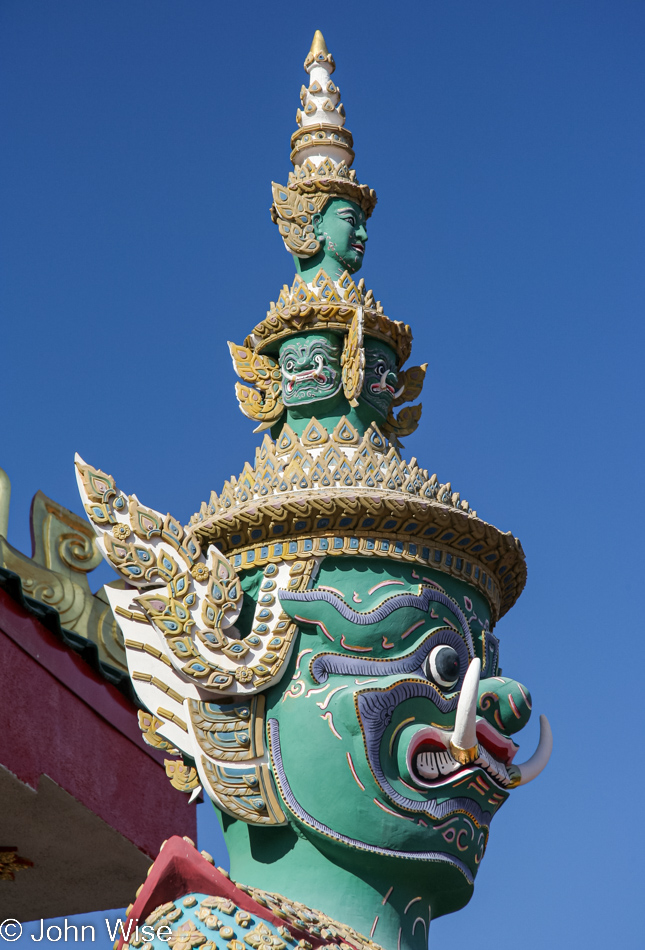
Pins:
x: 492, y: 765
x: 445, y: 763
x: 539, y: 760
x: 465, y: 734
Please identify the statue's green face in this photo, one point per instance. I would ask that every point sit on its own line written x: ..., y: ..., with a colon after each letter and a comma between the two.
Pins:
x: 310, y: 366
x: 381, y: 376
x: 360, y: 725
x: 341, y: 230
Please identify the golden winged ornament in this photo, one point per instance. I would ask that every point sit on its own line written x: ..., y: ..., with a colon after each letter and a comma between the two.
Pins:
x: 411, y: 383
x: 260, y: 392
x: 199, y: 675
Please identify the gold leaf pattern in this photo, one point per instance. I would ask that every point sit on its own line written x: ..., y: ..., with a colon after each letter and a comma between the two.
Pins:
x: 353, y: 359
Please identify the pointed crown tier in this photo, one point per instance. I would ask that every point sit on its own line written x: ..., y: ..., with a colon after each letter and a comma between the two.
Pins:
x: 322, y: 155
x: 335, y: 492
x: 325, y: 304
x: 321, y: 118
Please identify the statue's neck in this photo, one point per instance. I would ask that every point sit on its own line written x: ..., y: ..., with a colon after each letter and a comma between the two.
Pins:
x: 286, y: 863
x: 328, y: 412
x: 308, y: 267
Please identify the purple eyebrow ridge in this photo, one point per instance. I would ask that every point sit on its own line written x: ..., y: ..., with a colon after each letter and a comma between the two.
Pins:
x: 420, y: 601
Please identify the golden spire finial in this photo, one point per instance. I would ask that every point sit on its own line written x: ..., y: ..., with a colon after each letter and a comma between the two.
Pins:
x: 322, y: 155
x: 318, y: 44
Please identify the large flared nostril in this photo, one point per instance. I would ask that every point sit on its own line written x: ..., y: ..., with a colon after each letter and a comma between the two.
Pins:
x: 504, y: 703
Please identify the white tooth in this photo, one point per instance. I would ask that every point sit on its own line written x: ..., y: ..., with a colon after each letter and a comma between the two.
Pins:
x: 446, y: 763
x: 491, y: 765
x: 482, y: 758
x: 427, y: 765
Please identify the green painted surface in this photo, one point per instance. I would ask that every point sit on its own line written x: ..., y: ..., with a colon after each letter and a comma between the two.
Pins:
x: 342, y: 232
x: 324, y: 736
x: 311, y: 373
x: 381, y: 377
x: 312, y: 385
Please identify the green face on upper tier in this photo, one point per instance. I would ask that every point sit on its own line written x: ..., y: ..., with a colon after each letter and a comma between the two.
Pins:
x: 312, y: 381
x: 310, y: 365
x: 381, y: 376
x: 341, y: 230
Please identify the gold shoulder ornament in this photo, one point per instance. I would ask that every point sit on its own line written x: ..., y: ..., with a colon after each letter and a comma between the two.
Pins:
x: 260, y: 392
x: 192, y: 668
x: 397, y: 427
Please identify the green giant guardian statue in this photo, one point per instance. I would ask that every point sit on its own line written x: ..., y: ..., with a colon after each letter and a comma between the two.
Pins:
x: 315, y: 650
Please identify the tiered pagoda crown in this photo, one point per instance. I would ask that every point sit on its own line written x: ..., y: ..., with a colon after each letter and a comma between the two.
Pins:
x: 322, y: 155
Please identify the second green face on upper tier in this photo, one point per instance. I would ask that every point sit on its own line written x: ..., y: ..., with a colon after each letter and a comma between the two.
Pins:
x: 312, y: 381
x: 342, y: 233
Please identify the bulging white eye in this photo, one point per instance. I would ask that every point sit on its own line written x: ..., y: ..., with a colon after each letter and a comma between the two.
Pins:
x: 442, y: 665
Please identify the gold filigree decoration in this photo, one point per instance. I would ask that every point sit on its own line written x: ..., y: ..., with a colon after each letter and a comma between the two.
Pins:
x: 189, y: 608
x: 182, y: 777
x: 65, y: 551
x: 261, y: 938
x: 397, y: 427
x: 411, y: 380
x: 245, y: 793
x: 293, y: 213
x: 149, y: 723
x: 325, y: 304
x: 315, y: 923
x: 230, y: 733
x: 231, y: 740
x: 186, y: 936
x: 189, y: 599
x: 260, y: 393
x: 356, y: 495
x: 353, y: 360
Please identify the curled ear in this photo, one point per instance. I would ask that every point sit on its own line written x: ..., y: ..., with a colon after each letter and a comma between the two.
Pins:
x: 293, y: 213
x: 316, y: 221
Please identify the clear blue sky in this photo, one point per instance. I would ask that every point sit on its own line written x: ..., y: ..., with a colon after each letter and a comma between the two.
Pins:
x: 505, y: 141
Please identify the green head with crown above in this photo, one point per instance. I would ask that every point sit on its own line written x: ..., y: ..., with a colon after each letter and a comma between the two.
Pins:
x: 322, y: 212
x: 316, y: 647
x: 325, y: 347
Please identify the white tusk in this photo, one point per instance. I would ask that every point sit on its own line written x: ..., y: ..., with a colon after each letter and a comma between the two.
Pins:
x: 525, y: 773
x: 463, y: 744
x: 195, y: 794
x: 399, y: 392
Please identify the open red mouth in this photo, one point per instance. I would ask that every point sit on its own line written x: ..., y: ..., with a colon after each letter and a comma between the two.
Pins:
x: 360, y: 248
x: 378, y: 389
x: 430, y: 759
x: 502, y: 748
